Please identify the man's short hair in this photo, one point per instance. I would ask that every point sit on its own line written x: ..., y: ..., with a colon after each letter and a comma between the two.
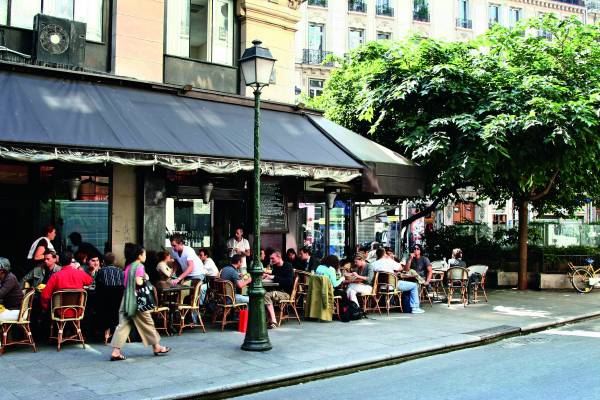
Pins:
x: 66, y: 258
x: 277, y: 252
x: 48, y: 251
x: 306, y: 250
x: 177, y: 238
x: 380, y: 252
x: 109, y: 259
x: 236, y: 258
x: 417, y: 246
x: 4, y: 264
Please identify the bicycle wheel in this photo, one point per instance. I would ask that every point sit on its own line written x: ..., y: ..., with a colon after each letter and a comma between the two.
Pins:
x: 581, y: 280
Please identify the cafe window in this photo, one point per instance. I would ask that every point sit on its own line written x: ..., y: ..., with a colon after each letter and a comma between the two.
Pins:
x: 313, y: 229
x: 21, y: 13
x: 201, y: 30
x: 192, y: 219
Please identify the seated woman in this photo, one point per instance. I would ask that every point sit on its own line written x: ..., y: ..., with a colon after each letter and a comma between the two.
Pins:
x: 456, y: 260
x: 11, y: 295
x: 292, y: 258
x: 165, y: 272
x: 329, y: 268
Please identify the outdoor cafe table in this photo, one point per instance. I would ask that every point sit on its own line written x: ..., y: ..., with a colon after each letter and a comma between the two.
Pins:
x: 270, y: 285
x: 169, y: 297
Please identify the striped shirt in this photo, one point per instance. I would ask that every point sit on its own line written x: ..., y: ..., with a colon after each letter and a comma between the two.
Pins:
x: 109, y: 276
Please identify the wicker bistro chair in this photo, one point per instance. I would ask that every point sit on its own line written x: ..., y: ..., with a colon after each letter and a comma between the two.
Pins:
x: 458, y: 279
x: 193, y: 307
x: 302, y: 291
x: 387, y: 289
x: 225, y: 302
x: 68, y: 306
x: 480, y: 269
x: 369, y: 301
x: 285, y: 305
x: 23, y: 321
x: 161, y: 312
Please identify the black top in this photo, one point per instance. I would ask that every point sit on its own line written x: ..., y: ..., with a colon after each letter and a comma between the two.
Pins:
x: 420, y: 265
x: 310, y: 265
x: 284, y: 275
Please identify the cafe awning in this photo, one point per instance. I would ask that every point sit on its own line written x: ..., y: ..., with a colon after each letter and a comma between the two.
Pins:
x: 45, y: 118
x: 388, y: 173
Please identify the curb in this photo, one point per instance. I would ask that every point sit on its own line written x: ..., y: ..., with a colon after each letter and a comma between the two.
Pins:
x: 294, y: 378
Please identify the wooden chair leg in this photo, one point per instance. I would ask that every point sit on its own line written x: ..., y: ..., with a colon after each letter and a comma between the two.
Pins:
x: 61, y: 327
x: 27, y: 331
x: 296, y: 312
x: 79, y: 333
x: 282, y: 308
x: 182, y: 316
x: 224, y: 320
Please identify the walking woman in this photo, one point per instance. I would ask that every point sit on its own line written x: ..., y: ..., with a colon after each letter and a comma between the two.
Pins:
x: 135, y: 275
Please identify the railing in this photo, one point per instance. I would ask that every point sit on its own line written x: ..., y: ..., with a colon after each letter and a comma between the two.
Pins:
x: 318, y: 3
x: 315, y: 57
x: 464, y: 23
x: 574, y: 2
x: 357, y: 6
x: 421, y: 14
x: 384, y: 8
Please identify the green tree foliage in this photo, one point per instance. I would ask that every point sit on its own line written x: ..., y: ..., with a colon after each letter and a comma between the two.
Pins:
x: 513, y: 114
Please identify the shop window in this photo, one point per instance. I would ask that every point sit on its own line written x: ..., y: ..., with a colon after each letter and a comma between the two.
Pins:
x: 21, y: 13
x: 192, y: 219
x: 201, y: 30
x: 315, y: 87
x: 313, y: 228
x: 499, y: 219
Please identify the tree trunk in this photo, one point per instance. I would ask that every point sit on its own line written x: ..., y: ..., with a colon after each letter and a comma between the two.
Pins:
x: 523, y: 233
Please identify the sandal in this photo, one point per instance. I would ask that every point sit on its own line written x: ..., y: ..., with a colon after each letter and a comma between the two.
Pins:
x: 271, y: 325
x: 120, y: 357
x: 164, y: 351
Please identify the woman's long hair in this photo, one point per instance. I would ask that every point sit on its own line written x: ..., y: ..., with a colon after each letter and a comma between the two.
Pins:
x: 331, y: 261
x: 132, y: 252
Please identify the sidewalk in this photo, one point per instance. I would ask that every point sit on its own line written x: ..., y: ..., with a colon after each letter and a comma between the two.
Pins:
x: 202, y: 364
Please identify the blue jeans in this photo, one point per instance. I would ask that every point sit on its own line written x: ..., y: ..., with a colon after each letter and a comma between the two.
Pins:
x: 239, y: 298
x: 413, y: 288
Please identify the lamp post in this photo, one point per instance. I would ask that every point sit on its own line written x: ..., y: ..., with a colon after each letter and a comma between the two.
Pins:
x: 257, y: 66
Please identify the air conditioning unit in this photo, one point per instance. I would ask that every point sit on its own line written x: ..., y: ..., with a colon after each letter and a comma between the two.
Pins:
x: 58, y: 42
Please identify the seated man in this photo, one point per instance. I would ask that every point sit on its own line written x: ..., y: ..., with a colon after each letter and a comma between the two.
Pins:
x: 93, y: 265
x: 308, y: 263
x: 364, y: 274
x: 41, y: 274
x: 420, y: 264
x: 11, y: 295
x: 209, y: 264
x: 67, y: 278
x: 232, y: 273
x: 283, y: 274
x: 385, y: 264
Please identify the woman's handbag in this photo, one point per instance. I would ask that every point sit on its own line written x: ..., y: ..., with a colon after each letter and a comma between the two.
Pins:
x: 145, y: 297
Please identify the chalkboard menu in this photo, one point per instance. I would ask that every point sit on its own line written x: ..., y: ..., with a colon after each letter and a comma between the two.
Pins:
x: 273, y: 217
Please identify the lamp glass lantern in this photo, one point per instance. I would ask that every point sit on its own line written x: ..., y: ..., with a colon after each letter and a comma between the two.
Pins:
x: 257, y: 64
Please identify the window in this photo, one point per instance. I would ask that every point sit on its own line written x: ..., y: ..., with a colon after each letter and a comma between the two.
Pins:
x: 421, y: 10
x: 315, y: 87
x: 384, y: 36
x: 494, y: 14
x: 464, y: 15
x: 22, y: 13
x: 190, y: 218
x: 515, y: 15
x: 201, y: 30
x: 316, y: 36
x: 3, y: 12
x: 319, y: 3
x: 355, y: 38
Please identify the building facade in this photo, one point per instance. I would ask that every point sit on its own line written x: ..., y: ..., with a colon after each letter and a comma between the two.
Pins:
x: 338, y: 26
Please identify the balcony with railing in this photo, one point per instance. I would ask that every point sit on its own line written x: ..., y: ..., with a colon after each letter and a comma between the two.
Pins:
x: 580, y: 3
x: 317, y: 3
x: 421, y: 14
x: 316, y: 57
x: 384, y: 8
x: 357, y: 6
x: 464, y: 23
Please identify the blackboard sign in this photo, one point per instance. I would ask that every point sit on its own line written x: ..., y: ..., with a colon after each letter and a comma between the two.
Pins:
x: 273, y: 217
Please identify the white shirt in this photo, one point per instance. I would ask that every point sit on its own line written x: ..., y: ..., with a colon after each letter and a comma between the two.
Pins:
x: 241, y: 245
x: 385, y: 264
x: 35, y: 245
x: 189, y: 254
x: 210, y: 267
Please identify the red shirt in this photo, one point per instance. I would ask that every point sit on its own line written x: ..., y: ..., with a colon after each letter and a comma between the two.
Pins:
x: 67, y: 278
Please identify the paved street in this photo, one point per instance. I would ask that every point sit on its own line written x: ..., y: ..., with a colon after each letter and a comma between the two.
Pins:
x: 555, y: 364
x: 213, y: 362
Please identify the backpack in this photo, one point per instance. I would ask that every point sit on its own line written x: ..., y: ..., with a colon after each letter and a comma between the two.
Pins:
x: 355, y: 311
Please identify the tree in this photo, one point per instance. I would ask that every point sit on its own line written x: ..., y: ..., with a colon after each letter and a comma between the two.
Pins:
x: 512, y: 114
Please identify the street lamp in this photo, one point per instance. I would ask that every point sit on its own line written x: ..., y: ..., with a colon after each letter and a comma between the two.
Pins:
x: 257, y: 66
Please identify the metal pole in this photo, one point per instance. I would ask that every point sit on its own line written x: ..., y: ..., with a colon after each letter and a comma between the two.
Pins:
x: 256, y: 338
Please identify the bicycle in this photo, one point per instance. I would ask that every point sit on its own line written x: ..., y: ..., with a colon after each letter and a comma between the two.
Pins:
x: 584, y: 278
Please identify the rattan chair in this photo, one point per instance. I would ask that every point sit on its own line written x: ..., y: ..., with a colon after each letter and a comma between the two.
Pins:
x: 369, y: 301
x: 285, y: 305
x: 225, y: 302
x: 482, y: 270
x: 194, y: 306
x: 303, y: 278
x: 387, y: 289
x: 161, y: 312
x: 68, y: 307
x: 22, y: 320
x: 458, y: 279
